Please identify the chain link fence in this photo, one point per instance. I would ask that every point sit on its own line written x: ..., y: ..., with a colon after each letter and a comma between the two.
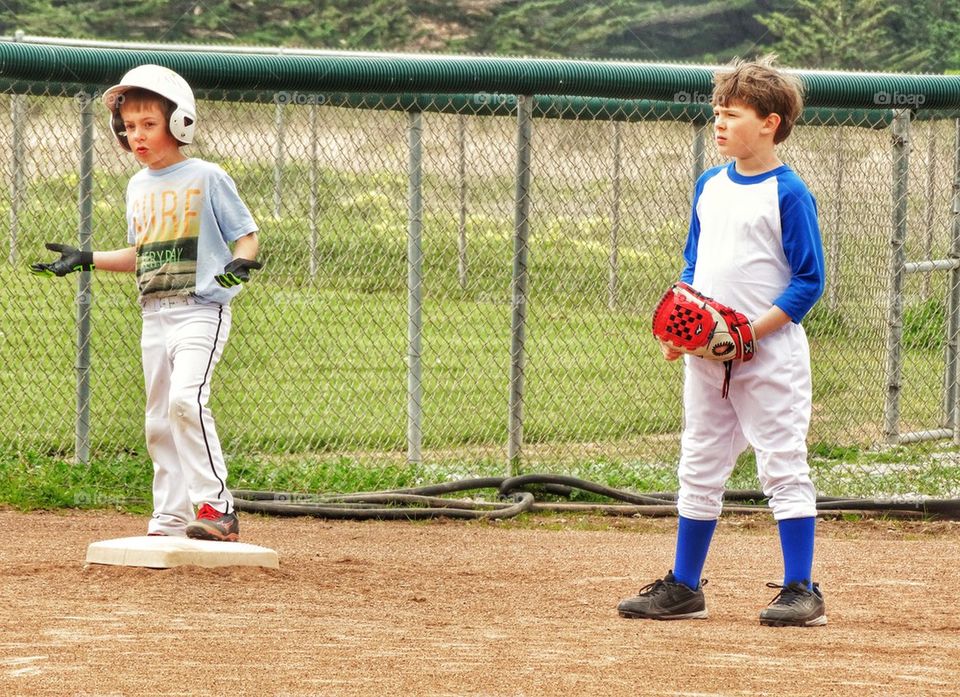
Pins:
x: 440, y: 300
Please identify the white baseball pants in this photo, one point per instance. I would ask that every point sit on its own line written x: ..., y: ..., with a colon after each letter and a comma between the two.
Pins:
x: 769, y: 408
x: 181, y: 344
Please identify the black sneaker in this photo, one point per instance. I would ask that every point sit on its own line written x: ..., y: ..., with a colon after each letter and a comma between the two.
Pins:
x: 666, y: 599
x: 795, y: 606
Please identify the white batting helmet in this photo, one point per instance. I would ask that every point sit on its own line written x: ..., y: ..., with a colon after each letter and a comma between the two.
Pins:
x: 167, y: 84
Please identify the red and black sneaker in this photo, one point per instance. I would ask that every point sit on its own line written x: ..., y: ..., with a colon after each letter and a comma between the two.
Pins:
x: 211, y: 524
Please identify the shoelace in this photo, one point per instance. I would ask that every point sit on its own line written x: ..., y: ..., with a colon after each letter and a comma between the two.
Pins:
x: 660, y: 586
x: 788, y: 594
x: 653, y: 588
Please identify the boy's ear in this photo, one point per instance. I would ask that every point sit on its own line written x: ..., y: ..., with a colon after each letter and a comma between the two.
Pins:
x: 772, y: 123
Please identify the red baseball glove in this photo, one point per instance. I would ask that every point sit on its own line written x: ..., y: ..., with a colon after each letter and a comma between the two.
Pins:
x: 693, y: 323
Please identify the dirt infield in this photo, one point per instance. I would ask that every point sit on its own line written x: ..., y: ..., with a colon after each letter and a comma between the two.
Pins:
x: 453, y: 608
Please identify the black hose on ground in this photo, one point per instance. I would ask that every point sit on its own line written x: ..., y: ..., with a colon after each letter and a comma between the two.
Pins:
x: 518, y: 495
x: 379, y: 506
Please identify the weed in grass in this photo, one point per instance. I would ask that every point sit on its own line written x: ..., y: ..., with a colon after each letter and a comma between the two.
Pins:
x: 924, y: 325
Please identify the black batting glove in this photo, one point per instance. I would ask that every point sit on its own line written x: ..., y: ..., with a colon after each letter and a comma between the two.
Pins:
x: 236, y: 272
x: 71, y: 259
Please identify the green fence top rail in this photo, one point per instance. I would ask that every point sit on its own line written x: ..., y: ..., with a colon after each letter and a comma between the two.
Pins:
x: 394, y: 73
x: 487, y: 104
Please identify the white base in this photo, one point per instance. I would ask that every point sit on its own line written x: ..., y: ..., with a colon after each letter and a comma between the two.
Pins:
x: 167, y: 552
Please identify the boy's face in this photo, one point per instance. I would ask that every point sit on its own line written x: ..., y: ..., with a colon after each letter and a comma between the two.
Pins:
x: 148, y: 135
x: 741, y: 133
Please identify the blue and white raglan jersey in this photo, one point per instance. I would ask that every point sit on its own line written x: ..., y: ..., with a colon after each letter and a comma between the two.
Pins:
x: 755, y: 242
x: 180, y: 218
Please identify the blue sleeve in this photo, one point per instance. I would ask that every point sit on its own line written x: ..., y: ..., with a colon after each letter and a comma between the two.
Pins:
x: 690, y: 249
x: 803, y: 248
x: 231, y: 213
x: 693, y: 234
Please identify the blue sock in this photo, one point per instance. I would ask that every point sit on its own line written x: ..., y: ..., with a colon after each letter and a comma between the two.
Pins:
x: 693, y: 542
x: 796, y: 542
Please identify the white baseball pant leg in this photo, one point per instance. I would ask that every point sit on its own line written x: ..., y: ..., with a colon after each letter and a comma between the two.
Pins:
x: 181, y: 345
x: 769, y: 408
x: 709, y: 446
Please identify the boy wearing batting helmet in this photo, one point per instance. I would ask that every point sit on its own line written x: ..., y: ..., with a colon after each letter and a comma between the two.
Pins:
x: 754, y: 246
x: 183, y: 215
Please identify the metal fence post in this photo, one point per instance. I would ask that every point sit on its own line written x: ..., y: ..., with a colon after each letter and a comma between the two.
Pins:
x: 952, y: 373
x: 613, y: 284
x: 901, y: 158
x: 313, y: 190
x: 462, y: 226
x: 699, y: 149
x: 834, y: 239
x: 929, y: 204
x: 415, y: 290
x: 18, y: 114
x: 280, y: 127
x: 518, y: 321
x: 84, y: 285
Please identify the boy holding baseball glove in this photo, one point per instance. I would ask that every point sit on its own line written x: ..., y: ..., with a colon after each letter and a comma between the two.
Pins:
x: 753, y: 269
x: 182, y: 215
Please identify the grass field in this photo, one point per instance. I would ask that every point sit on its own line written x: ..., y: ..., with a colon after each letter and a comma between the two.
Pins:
x: 311, y: 392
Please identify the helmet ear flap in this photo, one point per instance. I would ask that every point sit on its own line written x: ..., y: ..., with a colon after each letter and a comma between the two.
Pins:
x: 182, y: 125
x: 116, y: 123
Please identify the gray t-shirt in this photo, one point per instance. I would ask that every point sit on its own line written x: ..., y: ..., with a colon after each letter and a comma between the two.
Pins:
x: 181, y: 218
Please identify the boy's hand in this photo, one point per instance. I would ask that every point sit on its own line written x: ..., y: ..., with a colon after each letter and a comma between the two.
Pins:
x: 669, y: 352
x: 71, y: 259
x: 236, y: 272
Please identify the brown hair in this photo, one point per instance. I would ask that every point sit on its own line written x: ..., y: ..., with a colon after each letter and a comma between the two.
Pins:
x: 140, y: 96
x: 759, y: 85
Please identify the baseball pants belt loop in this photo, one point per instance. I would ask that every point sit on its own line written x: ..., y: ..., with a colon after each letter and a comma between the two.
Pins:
x: 154, y: 304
